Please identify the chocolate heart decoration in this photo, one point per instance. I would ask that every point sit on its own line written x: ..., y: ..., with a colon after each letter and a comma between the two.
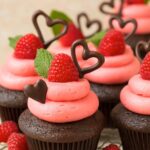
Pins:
x: 86, y: 55
x: 89, y: 23
x: 142, y: 48
x: 111, y: 4
x: 123, y: 23
x: 37, y: 91
x: 50, y: 23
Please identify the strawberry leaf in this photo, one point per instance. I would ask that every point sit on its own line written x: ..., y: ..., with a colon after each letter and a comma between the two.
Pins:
x: 147, y: 1
x: 13, y: 40
x: 42, y: 62
x: 97, y: 38
x: 58, y: 15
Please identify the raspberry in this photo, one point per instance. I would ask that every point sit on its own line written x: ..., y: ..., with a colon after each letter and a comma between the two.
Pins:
x: 27, y: 47
x: 112, y: 44
x: 111, y: 147
x: 6, y: 129
x: 145, y: 67
x: 17, y: 141
x: 62, y: 69
x: 72, y: 35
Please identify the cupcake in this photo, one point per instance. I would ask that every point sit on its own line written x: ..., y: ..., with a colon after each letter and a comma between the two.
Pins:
x: 62, y: 110
x: 19, y: 71
x: 74, y: 33
x: 132, y: 115
x: 119, y: 66
x: 138, y: 10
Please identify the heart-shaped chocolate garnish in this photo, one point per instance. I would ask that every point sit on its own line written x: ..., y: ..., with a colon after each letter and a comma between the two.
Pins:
x: 111, y: 5
x: 86, y: 55
x: 37, y: 91
x: 142, y: 48
x: 49, y: 23
x: 88, y: 24
x: 122, y: 23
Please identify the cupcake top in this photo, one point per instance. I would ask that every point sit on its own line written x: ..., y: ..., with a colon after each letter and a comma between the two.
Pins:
x: 58, y: 98
x: 74, y: 33
x: 19, y: 68
x: 135, y: 96
x: 120, y: 63
x: 138, y: 10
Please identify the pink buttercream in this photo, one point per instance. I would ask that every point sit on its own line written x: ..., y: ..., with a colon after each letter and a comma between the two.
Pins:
x: 135, y: 103
x: 142, y: 15
x: 17, y: 73
x: 21, y: 67
x: 139, y: 86
x: 68, y: 91
x: 61, y: 112
x: 58, y: 48
x: 116, y: 69
x: 14, y: 82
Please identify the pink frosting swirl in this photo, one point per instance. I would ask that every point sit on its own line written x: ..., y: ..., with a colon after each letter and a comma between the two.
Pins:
x: 139, y: 12
x: 17, y: 73
x: 135, y: 96
x: 73, y: 103
x: 116, y: 69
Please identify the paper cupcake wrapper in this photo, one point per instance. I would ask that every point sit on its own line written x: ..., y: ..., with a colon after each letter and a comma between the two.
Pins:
x: 106, y: 109
x: 133, y: 140
x: 88, y: 144
x: 10, y: 113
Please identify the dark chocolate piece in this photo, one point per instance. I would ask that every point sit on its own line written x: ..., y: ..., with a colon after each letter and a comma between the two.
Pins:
x: 88, y: 24
x: 142, y: 48
x: 111, y: 4
x: 86, y: 55
x: 123, y: 23
x: 50, y: 23
x: 37, y: 91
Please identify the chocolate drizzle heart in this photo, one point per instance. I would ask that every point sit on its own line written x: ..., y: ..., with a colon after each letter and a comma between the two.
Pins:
x: 142, y: 48
x: 49, y: 23
x: 111, y: 4
x: 37, y: 91
x: 86, y: 55
x: 89, y: 23
x: 123, y: 23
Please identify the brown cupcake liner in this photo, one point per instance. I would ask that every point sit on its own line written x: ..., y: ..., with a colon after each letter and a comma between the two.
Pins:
x: 106, y: 109
x: 134, y: 140
x: 88, y: 144
x: 10, y: 113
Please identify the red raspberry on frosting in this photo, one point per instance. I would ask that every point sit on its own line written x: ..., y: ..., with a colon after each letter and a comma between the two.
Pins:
x: 111, y: 147
x: 62, y: 69
x: 27, y: 46
x: 72, y: 35
x: 112, y: 44
x: 145, y: 67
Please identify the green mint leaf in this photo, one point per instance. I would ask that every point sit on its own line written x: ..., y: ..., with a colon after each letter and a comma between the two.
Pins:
x: 42, y: 62
x: 58, y: 15
x: 14, y: 40
x: 97, y: 38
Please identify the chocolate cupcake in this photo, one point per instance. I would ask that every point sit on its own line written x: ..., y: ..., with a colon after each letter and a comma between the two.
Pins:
x: 132, y: 116
x: 19, y: 70
x: 62, y: 110
x: 119, y: 66
x: 136, y: 10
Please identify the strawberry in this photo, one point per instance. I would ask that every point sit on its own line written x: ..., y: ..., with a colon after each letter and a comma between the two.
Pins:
x: 72, y: 35
x: 145, y: 67
x: 135, y: 2
x: 62, y: 69
x: 112, y: 44
x: 111, y: 147
x: 6, y: 129
x: 27, y: 46
x: 17, y: 141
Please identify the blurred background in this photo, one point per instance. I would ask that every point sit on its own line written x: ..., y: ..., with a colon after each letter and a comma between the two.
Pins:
x: 15, y: 16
